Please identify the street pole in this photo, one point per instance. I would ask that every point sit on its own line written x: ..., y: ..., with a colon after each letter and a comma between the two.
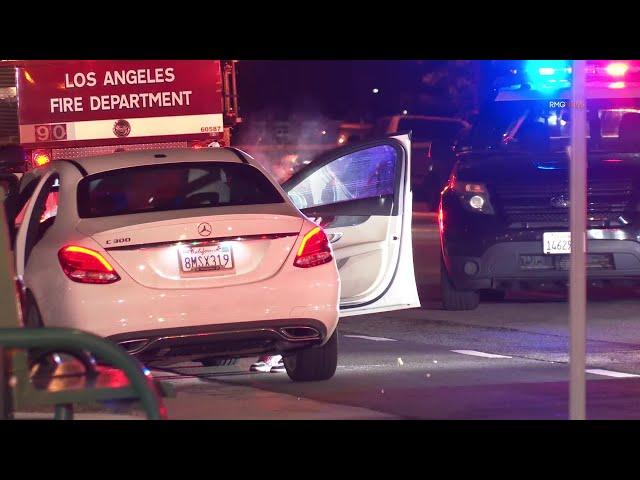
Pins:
x: 578, y: 218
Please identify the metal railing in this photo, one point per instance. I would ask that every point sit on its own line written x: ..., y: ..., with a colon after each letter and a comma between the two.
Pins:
x: 18, y: 387
x: 141, y: 386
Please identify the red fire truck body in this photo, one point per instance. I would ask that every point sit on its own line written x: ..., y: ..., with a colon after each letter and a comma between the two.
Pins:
x: 78, y: 108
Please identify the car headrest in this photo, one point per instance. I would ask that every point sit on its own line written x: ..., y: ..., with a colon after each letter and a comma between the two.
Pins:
x: 629, y: 129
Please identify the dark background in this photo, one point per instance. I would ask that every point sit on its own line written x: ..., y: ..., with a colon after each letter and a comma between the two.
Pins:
x: 342, y: 89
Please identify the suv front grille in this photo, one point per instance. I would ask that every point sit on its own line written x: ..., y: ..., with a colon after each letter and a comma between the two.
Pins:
x: 532, y: 205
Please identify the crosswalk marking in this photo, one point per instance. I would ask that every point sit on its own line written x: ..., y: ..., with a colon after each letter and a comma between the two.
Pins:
x: 375, y: 339
x: 611, y: 373
x: 480, y: 354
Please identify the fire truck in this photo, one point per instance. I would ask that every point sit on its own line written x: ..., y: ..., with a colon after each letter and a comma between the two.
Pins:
x: 52, y: 109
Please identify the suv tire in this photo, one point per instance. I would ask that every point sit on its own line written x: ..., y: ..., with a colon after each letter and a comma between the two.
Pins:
x: 453, y: 298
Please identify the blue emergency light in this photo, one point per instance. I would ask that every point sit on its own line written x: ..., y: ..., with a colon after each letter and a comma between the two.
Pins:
x: 548, y: 75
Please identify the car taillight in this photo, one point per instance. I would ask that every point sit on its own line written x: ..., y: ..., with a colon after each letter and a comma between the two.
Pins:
x: 314, y: 250
x: 84, y: 265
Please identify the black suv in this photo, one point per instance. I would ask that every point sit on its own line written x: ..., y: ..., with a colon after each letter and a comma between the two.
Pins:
x: 504, y: 214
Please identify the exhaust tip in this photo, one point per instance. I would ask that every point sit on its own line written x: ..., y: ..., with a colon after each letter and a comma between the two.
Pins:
x: 134, y: 346
x: 300, y: 333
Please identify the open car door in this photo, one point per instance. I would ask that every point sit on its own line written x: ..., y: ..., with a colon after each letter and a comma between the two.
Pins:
x: 30, y: 210
x: 361, y: 195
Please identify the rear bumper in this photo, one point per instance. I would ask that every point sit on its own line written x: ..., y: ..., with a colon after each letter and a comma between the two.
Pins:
x: 224, y: 340
x: 126, y: 307
x: 501, y: 264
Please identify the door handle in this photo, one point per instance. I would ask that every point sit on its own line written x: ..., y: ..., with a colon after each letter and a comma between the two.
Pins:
x: 334, y: 237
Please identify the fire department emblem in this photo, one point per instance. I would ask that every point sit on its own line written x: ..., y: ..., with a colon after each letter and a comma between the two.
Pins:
x: 121, y: 128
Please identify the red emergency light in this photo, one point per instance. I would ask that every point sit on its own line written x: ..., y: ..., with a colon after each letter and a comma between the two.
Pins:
x: 198, y: 144
x: 40, y: 157
x: 617, y: 69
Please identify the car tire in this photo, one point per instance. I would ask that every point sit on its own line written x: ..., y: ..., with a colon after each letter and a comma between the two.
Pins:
x: 218, y: 362
x: 32, y: 317
x: 315, y: 363
x: 453, y: 298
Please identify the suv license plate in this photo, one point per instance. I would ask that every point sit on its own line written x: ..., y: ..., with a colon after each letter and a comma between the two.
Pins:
x: 555, y: 243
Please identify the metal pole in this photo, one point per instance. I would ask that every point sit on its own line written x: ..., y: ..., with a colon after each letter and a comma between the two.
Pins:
x: 578, y: 216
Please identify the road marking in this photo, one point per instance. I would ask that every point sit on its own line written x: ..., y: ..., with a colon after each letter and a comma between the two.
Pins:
x: 609, y: 373
x: 375, y: 339
x: 363, y: 367
x: 479, y: 354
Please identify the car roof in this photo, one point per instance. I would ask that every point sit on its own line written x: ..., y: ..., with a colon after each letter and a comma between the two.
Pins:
x: 118, y: 160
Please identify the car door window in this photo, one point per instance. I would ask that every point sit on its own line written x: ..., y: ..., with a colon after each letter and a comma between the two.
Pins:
x: 366, y: 173
x: 16, y: 205
x: 361, y: 196
x: 43, y: 215
x: 50, y: 210
x: 6, y: 187
x: 8, y: 192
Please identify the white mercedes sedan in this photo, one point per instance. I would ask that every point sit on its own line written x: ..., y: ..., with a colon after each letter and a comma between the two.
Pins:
x: 199, y: 254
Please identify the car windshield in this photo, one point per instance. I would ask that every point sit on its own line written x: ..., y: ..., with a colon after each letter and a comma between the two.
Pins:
x: 173, y: 187
x: 424, y: 130
x: 613, y: 125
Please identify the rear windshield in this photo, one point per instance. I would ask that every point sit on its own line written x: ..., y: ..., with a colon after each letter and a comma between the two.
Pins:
x: 173, y: 187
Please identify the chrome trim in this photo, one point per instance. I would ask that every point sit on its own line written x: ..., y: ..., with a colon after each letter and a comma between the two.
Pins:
x: 133, y: 351
x: 315, y: 334
x: 199, y: 241
x: 278, y: 332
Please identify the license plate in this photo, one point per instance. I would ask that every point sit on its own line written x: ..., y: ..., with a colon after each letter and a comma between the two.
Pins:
x: 556, y: 242
x: 206, y: 258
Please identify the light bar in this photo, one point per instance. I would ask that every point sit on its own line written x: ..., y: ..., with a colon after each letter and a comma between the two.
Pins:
x: 617, y: 69
x: 542, y: 79
x: 548, y: 75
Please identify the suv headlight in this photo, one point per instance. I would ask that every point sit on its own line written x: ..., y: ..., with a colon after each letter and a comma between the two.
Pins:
x: 474, y: 196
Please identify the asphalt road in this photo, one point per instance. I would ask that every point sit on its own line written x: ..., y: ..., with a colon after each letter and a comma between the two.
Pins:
x: 505, y: 360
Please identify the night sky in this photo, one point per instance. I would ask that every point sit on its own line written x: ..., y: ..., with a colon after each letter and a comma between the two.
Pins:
x: 335, y: 89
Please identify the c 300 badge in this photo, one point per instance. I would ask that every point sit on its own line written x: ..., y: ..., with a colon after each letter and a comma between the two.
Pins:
x: 121, y: 128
